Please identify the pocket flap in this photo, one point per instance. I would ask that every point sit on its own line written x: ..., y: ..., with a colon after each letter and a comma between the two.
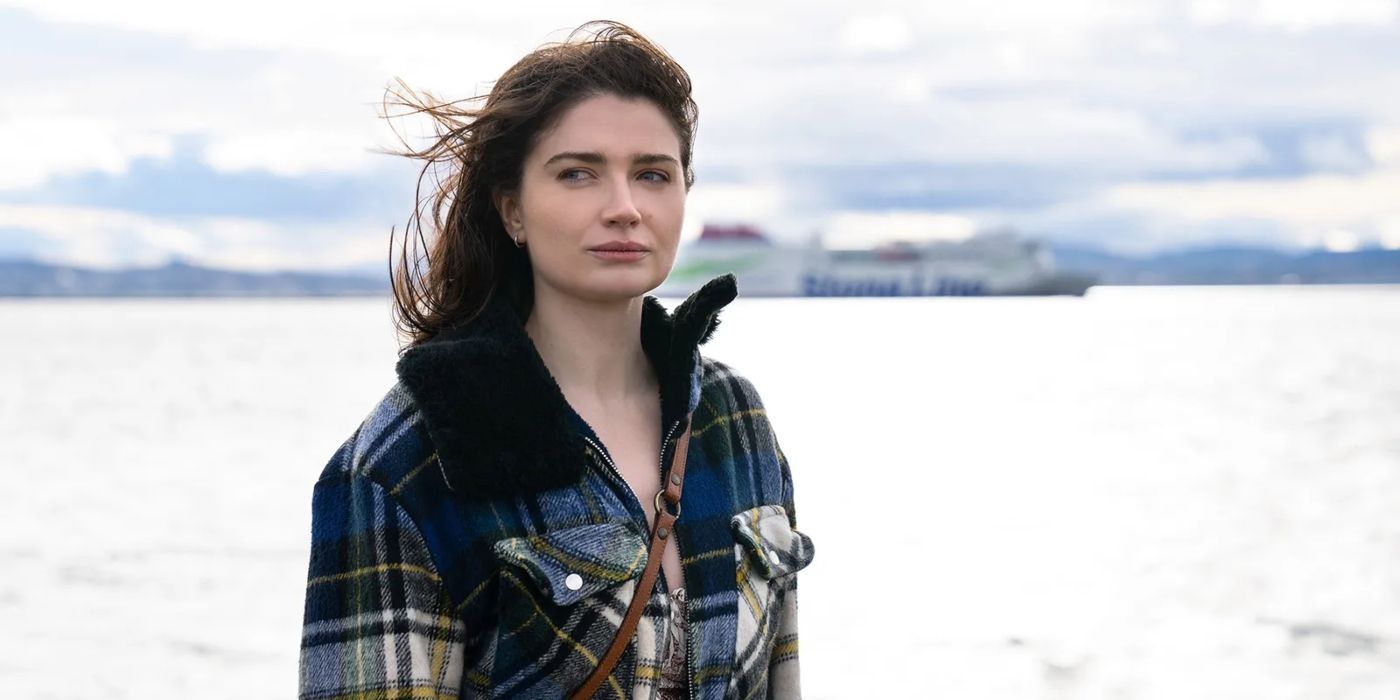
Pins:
x: 573, y: 563
x: 773, y: 546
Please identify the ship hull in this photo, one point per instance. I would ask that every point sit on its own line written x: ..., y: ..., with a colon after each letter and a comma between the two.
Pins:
x: 1059, y: 285
x: 983, y: 266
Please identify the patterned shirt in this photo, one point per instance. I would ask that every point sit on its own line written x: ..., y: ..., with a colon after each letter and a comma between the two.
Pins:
x: 674, y: 684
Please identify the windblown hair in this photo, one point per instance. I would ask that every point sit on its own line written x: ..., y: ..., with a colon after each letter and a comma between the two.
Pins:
x: 483, y: 149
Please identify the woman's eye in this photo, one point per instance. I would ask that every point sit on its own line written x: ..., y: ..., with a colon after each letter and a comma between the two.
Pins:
x: 660, y: 176
x: 567, y: 174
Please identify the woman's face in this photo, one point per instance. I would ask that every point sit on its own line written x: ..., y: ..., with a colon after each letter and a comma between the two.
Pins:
x: 608, y: 172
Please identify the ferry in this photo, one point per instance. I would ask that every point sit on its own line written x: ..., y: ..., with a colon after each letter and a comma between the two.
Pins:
x: 993, y: 262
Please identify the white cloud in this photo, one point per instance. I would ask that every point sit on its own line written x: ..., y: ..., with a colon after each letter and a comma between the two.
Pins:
x: 1389, y: 228
x: 287, y: 114
x: 857, y: 229
x: 38, y: 147
x: 292, y: 151
x: 1326, y: 210
x: 1057, y: 132
x: 763, y: 204
x: 105, y: 237
x: 1099, y: 90
x: 1383, y: 144
x: 1339, y: 240
x: 333, y: 60
x: 1037, y: 17
x: 409, y: 34
x: 886, y: 33
x: 1032, y: 131
x: 1296, y: 15
x: 101, y: 237
x: 1331, y: 152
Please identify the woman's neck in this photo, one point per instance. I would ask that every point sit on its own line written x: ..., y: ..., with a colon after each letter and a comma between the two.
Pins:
x: 594, y: 350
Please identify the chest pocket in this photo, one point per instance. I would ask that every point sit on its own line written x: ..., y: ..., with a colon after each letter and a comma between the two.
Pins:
x: 768, y: 550
x: 559, y: 603
x: 570, y: 564
x: 767, y: 544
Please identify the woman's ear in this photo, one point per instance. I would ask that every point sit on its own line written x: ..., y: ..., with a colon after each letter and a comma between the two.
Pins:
x: 508, y: 206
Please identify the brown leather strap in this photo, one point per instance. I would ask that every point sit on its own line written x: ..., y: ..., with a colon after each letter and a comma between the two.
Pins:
x: 661, y: 531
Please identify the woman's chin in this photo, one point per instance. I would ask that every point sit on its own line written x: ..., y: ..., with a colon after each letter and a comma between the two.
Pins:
x: 618, y: 283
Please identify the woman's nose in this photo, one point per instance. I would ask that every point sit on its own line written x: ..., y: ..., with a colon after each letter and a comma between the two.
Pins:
x: 621, y: 208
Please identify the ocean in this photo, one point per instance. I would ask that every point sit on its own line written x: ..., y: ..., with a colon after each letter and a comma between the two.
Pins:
x: 1148, y: 492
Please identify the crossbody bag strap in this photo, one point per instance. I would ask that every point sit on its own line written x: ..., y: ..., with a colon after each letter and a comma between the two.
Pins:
x: 662, y: 530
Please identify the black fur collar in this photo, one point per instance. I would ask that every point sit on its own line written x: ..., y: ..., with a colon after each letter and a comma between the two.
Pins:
x: 496, y: 416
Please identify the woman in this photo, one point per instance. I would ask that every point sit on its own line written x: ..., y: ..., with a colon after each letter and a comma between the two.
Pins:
x: 485, y: 529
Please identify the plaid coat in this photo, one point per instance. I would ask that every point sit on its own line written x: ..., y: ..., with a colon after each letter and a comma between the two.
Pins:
x: 451, y: 530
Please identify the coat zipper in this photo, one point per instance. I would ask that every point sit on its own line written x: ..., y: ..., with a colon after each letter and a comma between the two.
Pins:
x: 616, y: 476
x: 620, y: 481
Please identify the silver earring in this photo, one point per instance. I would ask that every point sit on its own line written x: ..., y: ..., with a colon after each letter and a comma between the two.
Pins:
x: 518, y: 244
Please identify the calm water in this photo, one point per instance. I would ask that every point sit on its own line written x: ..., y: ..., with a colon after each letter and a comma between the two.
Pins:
x: 1144, y: 493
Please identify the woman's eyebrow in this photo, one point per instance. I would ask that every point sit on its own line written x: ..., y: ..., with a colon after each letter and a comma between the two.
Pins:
x: 649, y: 158
x: 598, y: 158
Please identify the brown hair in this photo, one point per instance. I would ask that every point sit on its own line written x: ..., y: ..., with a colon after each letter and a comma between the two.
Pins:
x: 483, y: 150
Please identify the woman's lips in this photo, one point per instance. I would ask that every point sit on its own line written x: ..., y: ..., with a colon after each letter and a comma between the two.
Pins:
x: 619, y: 255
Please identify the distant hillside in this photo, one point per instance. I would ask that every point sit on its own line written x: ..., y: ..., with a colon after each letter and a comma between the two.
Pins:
x: 23, y: 278
x: 1234, y: 265
x: 1222, y: 265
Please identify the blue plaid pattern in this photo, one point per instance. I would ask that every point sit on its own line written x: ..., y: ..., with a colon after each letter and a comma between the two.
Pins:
x: 416, y: 592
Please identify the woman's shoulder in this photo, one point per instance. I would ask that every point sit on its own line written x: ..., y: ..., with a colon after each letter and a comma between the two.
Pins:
x: 388, y: 447
x: 730, y: 400
x: 721, y: 384
x: 733, y: 422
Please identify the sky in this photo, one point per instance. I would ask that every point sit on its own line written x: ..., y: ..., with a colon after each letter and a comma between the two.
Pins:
x: 245, y: 134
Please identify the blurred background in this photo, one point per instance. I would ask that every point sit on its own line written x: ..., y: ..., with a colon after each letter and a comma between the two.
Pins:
x: 1077, y: 322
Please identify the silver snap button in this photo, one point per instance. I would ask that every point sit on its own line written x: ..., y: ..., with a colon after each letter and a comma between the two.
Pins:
x: 573, y: 582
